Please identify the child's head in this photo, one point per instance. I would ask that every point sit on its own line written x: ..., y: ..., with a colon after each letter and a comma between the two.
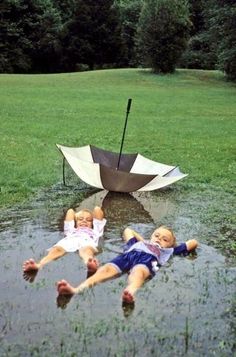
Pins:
x: 163, y: 236
x: 84, y: 218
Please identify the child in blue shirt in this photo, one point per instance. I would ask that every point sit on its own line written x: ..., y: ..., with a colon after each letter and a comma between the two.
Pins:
x: 141, y: 259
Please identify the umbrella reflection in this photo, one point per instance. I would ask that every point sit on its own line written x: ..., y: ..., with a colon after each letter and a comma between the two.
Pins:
x: 140, y: 210
x: 123, y: 209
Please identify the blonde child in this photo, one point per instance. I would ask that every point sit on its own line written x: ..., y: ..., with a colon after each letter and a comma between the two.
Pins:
x: 141, y: 259
x: 82, y: 232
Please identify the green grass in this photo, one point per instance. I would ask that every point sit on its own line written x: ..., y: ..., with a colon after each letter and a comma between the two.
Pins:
x: 185, y: 119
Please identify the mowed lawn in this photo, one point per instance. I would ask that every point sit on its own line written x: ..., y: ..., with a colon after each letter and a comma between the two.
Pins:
x: 185, y: 119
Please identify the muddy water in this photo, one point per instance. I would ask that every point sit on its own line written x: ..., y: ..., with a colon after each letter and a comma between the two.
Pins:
x: 187, y: 309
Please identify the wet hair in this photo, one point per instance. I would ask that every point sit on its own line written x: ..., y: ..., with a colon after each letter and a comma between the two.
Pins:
x: 172, y: 233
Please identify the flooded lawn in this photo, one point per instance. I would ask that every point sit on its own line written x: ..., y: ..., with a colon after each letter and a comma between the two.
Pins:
x: 187, y: 309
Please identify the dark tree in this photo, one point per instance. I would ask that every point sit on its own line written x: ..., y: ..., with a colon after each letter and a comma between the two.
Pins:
x: 162, y: 33
x: 129, y: 17
x: 29, y: 36
x: 196, y: 12
x: 201, y: 51
x: 93, y: 36
x: 66, y: 8
x: 13, y: 41
x: 222, y: 20
x: 46, y: 22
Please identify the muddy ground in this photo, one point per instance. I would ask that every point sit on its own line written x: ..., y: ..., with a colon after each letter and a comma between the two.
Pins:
x: 187, y: 309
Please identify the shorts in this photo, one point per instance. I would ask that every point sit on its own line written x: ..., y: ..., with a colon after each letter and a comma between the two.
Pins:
x: 127, y: 261
x: 72, y: 244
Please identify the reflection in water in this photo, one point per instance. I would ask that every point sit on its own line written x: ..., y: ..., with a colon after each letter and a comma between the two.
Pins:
x: 140, y: 210
x: 127, y: 309
x: 123, y: 210
x: 63, y: 300
x: 30, y: 275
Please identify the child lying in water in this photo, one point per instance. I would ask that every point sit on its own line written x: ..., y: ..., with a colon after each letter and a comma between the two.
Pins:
x: 141, y: 259
x: 82, y: 232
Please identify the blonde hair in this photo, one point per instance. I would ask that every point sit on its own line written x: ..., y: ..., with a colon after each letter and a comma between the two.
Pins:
x: 83, y: 210
x: 172, y: 233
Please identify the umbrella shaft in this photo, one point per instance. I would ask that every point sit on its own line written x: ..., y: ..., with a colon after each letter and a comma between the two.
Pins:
x: 123, y: 136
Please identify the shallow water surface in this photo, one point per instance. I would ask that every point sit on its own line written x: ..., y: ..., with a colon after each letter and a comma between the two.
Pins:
x: 187, y: 309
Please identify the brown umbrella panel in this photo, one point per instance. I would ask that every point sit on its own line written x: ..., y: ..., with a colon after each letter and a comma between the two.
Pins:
x: 98, y: 168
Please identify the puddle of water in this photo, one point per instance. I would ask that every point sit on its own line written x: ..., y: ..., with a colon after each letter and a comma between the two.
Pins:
x: 189, y: 307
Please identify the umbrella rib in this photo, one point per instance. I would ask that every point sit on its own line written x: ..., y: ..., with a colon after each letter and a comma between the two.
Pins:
x: 170, y: 171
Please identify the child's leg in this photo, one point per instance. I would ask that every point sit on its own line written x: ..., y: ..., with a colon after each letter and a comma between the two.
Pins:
x: 87, y: 254
x: 136, y: 279
x: 53, y: 254
x: 104, y: 273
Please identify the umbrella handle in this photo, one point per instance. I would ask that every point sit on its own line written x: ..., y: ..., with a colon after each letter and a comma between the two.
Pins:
x: 123, y: 137
x: 128, y: 105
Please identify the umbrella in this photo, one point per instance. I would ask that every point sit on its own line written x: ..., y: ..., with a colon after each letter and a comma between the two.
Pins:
x: 119, y: 172
x: 98, y: 168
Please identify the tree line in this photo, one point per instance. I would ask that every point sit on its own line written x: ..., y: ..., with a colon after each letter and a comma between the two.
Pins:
x: 48, y: 36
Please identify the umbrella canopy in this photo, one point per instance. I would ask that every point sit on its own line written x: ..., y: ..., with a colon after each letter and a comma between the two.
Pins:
x: 98, y: 168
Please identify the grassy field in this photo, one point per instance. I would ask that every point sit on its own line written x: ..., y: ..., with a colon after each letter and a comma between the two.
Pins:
x: 185, y: 119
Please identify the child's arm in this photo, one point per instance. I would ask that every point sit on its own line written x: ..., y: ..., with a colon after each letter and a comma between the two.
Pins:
x: 130, y: 233
x: 98, y: 213
x: 70, y: 215
x: 191, y: 244
x: 69, y: 221
x: 185, y: 248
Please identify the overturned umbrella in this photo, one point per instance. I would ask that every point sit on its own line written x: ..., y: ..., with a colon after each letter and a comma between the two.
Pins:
x: 98, y: 168
x: 119, y: 172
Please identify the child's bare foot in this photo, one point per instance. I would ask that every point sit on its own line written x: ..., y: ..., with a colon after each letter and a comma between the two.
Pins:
x: 64, y: 288
x: 92, y: 265
x: 127, y: 297
x: 30, y: 265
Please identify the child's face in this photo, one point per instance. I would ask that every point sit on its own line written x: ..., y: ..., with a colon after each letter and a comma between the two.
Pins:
x: 84, y: 219
x: 163, y: 237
